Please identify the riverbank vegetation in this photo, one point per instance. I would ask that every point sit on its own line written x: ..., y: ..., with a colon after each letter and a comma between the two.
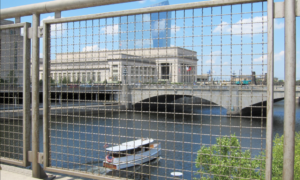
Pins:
x: 226, y: 160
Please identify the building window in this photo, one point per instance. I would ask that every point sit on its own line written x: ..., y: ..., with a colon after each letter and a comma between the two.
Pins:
x: 99, y: 76
x: 88, y: 76
x: 165, y: 70
x: 93, y: 76
x: 83, y: 77
x: 115, y: 73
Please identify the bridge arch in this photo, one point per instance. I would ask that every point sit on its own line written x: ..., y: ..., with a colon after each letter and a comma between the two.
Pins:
x: 257, y: 109
x: 170, y: 101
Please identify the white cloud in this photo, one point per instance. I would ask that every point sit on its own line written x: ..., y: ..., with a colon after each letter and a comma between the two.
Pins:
x: 210, y: 61
x: 261, y: 59
x: 225, y: 63
x: 90, y: 48
x: 143, y: 1
x: 277, y: 57
x: 278, y: 25
x: 213, y: 58
x: 175, y: 29
x: 255, y: 25
x: 56, y: 29
x: 114, y: 29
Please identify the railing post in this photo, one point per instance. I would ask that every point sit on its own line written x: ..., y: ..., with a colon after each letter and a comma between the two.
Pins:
x: 46, y: 69
x: 26, y: 96
x: 289, y: 90
x: 35, y: 96
x: 270, y: 89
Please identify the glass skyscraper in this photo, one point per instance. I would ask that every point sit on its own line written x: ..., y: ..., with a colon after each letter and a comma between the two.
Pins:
x: 161, y: 27
x: 158, y: 35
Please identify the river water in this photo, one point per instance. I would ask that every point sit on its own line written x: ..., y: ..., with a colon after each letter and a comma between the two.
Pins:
x: 77, y: 140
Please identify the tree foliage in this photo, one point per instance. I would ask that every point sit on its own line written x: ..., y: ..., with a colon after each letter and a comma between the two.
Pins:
x: 277, y: 162
x: 226, y: 160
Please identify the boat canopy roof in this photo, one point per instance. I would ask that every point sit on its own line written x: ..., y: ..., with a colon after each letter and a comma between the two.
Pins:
x: 130, y: 145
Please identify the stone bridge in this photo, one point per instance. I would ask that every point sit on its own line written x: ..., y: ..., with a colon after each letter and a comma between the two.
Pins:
x: 234, y: 99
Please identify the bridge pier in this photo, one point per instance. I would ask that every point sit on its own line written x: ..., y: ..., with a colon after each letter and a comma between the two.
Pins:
x: 126, y: 97
x: 60, y: 98
x: 233, y: 110
x: 15, y: 99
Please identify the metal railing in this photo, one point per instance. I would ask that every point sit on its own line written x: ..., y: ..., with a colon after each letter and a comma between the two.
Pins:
x: 140, y: 42
x: 114, y: 82
x: 15, y: 77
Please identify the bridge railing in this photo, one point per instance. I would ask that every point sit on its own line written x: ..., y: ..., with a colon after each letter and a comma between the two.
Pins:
x: 15, y: 93
x: 181, y: 40
x: 146, y: 64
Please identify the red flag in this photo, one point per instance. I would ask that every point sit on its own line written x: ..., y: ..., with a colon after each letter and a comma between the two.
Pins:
x: 188, y: 68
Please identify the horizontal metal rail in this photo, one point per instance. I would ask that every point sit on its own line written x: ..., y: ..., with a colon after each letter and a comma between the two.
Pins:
x: 153, y: 9
x: 54, y: 6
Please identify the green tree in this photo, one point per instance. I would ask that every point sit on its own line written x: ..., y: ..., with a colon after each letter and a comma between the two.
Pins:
x: 226, y: 160
x: 65, y: 80
x: 277, y: 162
x: 52, y: 81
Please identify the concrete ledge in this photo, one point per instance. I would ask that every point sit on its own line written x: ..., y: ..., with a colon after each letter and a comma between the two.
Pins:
x: 9, y: 172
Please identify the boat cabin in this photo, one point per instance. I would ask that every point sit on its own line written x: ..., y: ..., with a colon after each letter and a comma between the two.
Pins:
x: 131, y: 147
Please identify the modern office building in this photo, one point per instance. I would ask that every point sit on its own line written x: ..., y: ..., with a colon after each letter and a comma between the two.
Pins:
x: 156, y: 30
x: 161, y: 26
x: 11, y: 54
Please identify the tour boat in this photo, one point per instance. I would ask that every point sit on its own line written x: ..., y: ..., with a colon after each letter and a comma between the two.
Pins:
x: 131, y: 153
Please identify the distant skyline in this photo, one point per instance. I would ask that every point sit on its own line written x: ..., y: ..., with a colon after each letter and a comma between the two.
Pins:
x: 212, y: 62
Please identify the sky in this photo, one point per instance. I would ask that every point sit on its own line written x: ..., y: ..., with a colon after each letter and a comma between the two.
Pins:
x: 214, y: 57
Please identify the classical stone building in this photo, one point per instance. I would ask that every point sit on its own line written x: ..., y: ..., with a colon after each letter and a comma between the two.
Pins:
x: 169, y: 64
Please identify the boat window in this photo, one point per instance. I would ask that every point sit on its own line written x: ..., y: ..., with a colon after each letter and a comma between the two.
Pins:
x: 136, y: 150
x: 118, y: 154
x: 130, y: 151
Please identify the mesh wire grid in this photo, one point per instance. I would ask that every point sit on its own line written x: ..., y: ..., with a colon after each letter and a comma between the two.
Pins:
x: 181, y: 78
x: 11, y: 93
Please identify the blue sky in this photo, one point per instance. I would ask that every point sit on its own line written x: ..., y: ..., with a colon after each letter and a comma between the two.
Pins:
x: 212, y: 59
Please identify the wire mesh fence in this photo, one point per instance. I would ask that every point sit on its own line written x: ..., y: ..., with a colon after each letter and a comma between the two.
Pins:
x: 11, y: 93
x: 146, y: 95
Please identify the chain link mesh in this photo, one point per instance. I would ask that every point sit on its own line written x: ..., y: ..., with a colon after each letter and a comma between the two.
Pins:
x: 11, y: 97
x: 181, y: 78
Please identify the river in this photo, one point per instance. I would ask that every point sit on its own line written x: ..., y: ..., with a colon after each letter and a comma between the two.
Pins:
x: 77, y: 140
x: 181, y: 136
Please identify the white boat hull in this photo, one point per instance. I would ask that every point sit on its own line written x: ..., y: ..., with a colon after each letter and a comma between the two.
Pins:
x: 133, y: 160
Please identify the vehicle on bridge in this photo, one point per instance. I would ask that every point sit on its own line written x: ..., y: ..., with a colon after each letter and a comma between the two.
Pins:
x: 244, y: 82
